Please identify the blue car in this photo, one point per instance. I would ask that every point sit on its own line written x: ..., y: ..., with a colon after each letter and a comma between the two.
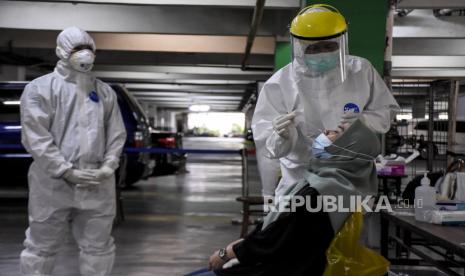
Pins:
x: 14, y: 160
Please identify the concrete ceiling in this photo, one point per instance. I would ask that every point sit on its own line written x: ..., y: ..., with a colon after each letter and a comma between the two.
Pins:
x: 175, y: 52
x: 215, y: 3
x: 169, y: 53
x: 430, y: 4
x: 220, y: 19
x: 426, y: 45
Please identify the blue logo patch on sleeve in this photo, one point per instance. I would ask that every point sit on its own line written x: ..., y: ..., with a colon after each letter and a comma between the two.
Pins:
x: 93, y: 96
x: 351, y: 106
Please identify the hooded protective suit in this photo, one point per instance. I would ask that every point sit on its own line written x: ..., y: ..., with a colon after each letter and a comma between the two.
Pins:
x: 322, y: 88
x: 70, y: 121
x: 317, y: 109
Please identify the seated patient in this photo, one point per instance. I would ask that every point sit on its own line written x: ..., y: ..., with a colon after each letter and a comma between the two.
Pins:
x: 294, y: 243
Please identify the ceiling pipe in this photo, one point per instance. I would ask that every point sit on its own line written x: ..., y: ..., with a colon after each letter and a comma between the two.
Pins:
x: 256, y: 19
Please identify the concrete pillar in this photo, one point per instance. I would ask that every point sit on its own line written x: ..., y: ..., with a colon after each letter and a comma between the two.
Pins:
x: 249, y: 112
x: 165, y: 119
x: 152, y: 114
x: 248, y: 117
x: 160, y: 121
x: 172, y: 122
x: 181, y: 122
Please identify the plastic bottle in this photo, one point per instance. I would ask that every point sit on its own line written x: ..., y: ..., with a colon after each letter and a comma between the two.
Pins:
x: 425, y: 199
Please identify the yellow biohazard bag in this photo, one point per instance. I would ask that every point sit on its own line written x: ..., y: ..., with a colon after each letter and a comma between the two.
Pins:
x: 346, y: 256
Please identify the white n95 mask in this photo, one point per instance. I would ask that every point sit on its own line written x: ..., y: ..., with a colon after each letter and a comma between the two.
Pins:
x: 82, y: 60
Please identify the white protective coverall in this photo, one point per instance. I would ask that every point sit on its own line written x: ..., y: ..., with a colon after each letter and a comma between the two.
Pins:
x: 317, y: 109
x: 63, y: 129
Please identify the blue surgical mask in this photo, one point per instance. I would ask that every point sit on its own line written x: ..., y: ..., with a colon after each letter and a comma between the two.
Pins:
x: 319, y: 145
x: 322, y: 62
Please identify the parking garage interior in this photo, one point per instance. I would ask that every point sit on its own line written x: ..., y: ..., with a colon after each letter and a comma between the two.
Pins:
x: 187, y: 75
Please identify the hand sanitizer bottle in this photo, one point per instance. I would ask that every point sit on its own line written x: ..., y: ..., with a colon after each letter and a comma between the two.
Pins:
x: 425, y: 199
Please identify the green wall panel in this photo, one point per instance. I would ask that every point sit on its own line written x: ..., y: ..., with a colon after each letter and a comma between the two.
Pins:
x: 367, y: 27
x: 282, y: 55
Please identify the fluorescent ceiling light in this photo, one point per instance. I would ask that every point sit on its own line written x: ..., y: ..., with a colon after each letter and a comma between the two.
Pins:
x: 12, y: 127
x: 199, y: 108
x: 11, y: 102
x: 208, y: 81
x: 404, y: 117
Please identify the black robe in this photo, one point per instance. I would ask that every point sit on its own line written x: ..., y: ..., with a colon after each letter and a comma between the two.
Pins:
x: 294, y: 245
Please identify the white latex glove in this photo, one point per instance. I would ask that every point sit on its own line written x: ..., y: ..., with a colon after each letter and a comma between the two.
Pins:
x: 80, y: 177
x: 282, y: 123
x: 103, y: 173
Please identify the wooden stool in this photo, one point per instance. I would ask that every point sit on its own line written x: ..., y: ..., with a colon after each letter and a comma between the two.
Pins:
x: 247, y: 202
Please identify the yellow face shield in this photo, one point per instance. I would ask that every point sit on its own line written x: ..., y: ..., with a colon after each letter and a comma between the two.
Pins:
x: 319, y: 45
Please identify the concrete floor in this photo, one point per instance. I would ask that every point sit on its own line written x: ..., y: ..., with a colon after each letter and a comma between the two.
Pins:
x: 173, y: 223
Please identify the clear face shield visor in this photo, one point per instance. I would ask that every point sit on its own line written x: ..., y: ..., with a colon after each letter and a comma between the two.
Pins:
x: 321, y: 60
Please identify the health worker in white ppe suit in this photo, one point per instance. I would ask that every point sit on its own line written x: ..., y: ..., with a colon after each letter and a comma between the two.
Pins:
x: 322, y: 88
x: 72, y: 127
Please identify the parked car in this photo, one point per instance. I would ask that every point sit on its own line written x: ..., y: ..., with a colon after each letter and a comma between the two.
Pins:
x: 139, y: 165
x: 15, y: 162
x: 167, y: 163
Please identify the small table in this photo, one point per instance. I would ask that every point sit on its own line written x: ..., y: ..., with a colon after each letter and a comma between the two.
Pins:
x: 396, y: 178
x: 449, y: 238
